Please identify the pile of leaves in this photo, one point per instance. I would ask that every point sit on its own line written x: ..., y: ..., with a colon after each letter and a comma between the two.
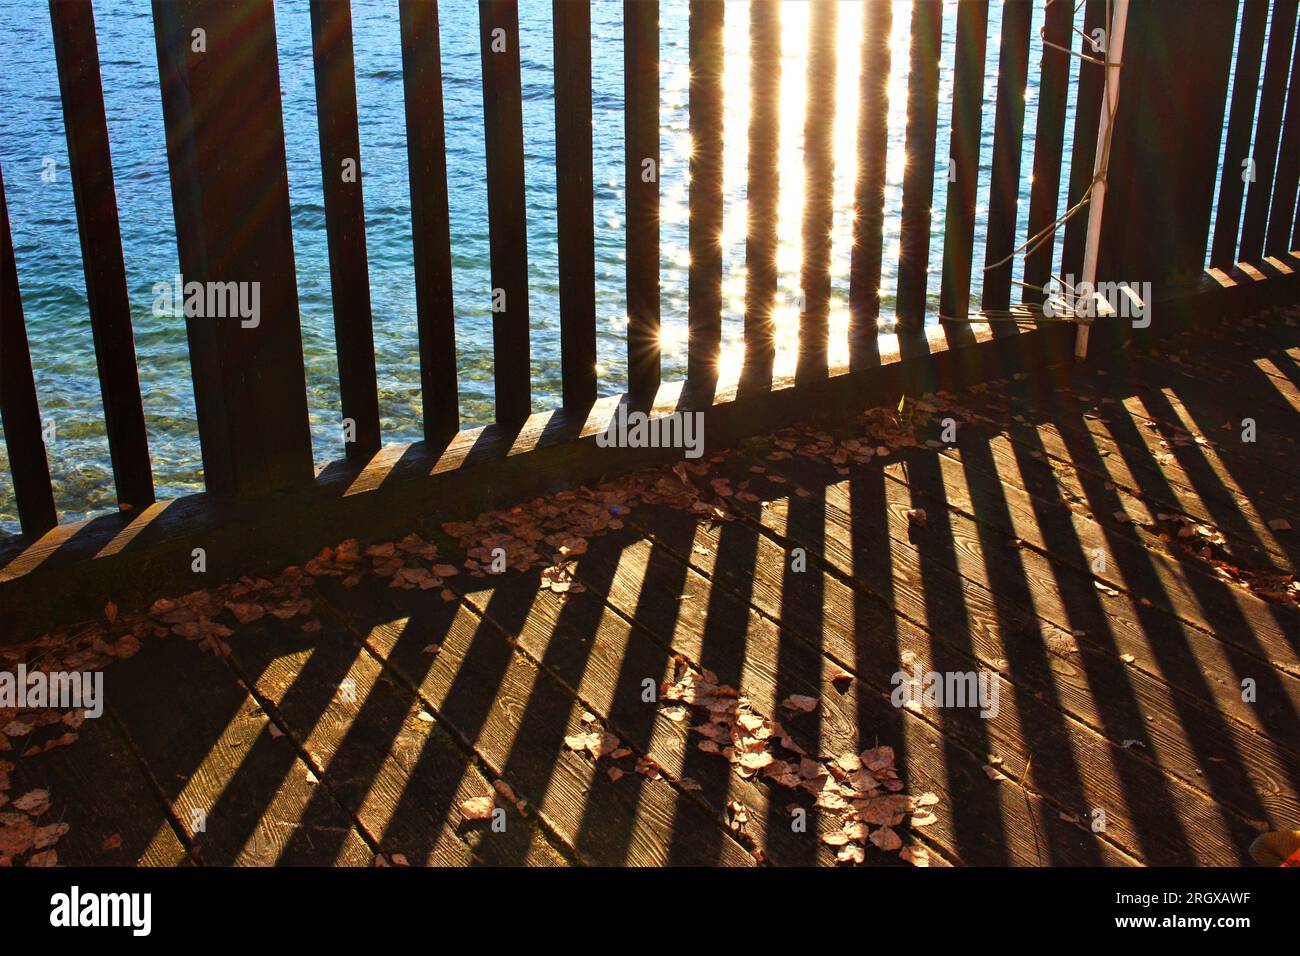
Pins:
x: 407, y: 564
x: 20, y: 834
x: 864, y: 791
x: 550, y: 531
x: 28, y: 732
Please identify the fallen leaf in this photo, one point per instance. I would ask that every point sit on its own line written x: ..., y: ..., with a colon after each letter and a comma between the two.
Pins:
x: 34, y: 802
x: 852, y: 853
x: 886, y: 839
x: 915, y: 855
x: 800, y: 702
x: 477, y: 808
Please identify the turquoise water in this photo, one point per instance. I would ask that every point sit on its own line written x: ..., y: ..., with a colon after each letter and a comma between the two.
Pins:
x: 32, y: 145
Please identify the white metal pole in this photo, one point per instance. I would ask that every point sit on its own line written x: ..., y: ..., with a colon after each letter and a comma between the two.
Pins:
x: 1114, y: 56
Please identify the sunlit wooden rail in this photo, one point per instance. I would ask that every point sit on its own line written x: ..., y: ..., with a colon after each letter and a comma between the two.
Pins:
x: 226, y: 153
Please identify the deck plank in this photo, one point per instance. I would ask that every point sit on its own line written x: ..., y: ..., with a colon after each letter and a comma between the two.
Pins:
x: 99, y: 789
x: 517, y: 718
x: 1058, y: 561
x: 824, y: 618
x: 603, y: 661
x: 655, y: 588
x: 1082, y: 768
x: 399, y: 772
x: 1120, y: 684
x: 211, y: 750
x: 1163, y: 581
x: 1140, y: 484
x: 1106, y: 428
x: 1182, y: 404
x: 1080, y: 669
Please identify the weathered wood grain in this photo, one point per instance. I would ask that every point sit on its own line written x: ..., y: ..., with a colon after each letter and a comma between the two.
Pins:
x: 377, y: 750
x: 213, y: 753
x: 516, y: 718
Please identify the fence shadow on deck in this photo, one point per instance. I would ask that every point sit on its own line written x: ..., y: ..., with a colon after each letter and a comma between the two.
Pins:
x: 452, y: 696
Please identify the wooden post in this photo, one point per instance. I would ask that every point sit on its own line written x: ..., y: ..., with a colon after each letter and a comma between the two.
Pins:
x: 574, y: 213
x: 225, y: 145
x: 1049, y: 137
x: 763, y: 191
x: 641, y: 170
x: 91, y: 168
x: 1087, y: 115
x: 819, y: 192
x: 869, y: 196
x: 19, y: 411
x: 430, y: 217
x: 503, y: 121
x: 1286, y: 180
x: 1008, y: 134
x: 704, y: 282
x: 918, y: 180
x: 964, y: 154
x: 1117, y: 31
x: 345, y: 222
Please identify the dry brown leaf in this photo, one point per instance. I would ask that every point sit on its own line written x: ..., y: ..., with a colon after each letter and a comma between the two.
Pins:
x: 477, y: 808
x: 34, y: 802
x: 915, y: 855
x: 886, y: 839
x: 851, y: 853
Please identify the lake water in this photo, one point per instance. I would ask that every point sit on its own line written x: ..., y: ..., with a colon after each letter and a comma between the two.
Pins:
x: 32, y: 143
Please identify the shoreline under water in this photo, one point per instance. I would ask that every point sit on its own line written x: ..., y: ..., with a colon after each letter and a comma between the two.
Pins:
x: 33, y: 153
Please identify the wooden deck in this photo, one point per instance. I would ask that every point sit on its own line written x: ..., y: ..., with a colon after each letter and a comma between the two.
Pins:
x: 1101, y: 538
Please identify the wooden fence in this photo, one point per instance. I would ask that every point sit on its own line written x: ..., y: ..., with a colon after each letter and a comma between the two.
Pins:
x: 1174, y: 129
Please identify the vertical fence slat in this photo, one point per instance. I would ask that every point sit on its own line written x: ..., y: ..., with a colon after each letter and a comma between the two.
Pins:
x: 430, y: 223
x: 507, y: 213
x: 1008, y: 134
x: 704, y: 292
x: 967, y: 117
x: 19, y: 411
x: 819, y: 192
x: 641, y: 175
x: 572, y: 19
x: 345, y: 221
x: 918, y: 179
x: 1087, y: 116
x: 1286, y: 180
x: 230, y: 190
x: 869, y: 194
x: 1241, y: 119
x: 91, y: 169
x: 1268, y: 129
x: 763, y: 186
x: 1049, y: 139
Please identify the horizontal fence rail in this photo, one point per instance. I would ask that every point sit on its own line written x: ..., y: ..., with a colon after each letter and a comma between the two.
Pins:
x: 226, y: 152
